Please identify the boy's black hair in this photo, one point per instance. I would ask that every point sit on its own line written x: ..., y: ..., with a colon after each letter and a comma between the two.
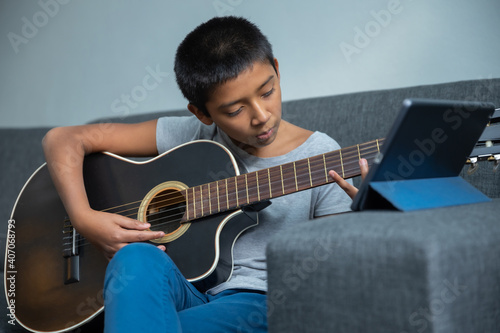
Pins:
x: 215, y: 52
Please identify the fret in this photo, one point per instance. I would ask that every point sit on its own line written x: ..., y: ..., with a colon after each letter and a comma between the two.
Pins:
x: 346, y: 159
x: 359, y: 154
x: 269, y: 179
x: 246, y: 187
x: 288, y: 179
x: 201, y: 199
x: 218, y: 196
x: 263, y: 184
x: 295, y: 176
x: 227, y: 197
x: 206, y: 201
x: 324, y: 165
x: 282, y: 185
x: 215, y: 198
x: 187, y: 205
x: 257, y: 181
x: 316, y: 171
x: 302, y: 177
x: 378, y: 148
x: 342, y: 163
x: 253, y: 184
x: 194, y: 205
x: 309, y: 168
x: 275, y: 183
x: 242, y: 187
x: 195, y: 190
x: 230, y: 200
x: 332, y: 163
x: 209, y: 200
x: 236, y: 190
x: 208, y: 209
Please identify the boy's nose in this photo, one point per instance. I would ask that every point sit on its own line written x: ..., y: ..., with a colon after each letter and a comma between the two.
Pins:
x: 260, y: 115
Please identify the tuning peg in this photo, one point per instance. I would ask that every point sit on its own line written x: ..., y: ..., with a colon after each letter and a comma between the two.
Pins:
x: 473, y: 166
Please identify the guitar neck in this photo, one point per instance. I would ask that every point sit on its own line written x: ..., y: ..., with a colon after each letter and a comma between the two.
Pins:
x: 250, y: 188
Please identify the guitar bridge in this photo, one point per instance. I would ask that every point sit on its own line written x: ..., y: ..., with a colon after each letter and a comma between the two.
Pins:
x: 71, y: 243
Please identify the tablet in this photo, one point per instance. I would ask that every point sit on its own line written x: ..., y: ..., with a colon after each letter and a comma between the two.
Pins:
x: 429, y: 139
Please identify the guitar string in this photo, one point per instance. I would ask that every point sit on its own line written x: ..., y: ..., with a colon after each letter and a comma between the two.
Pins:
x: 329, y: 160
x: 173, y: 198
x: 158, y: 226
x: 302, y: 182
x: 273, y: 182
x: 83, y: 242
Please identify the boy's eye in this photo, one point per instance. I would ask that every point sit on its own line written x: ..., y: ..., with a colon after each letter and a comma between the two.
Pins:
x: 234, y: 113
x: 267, y: 94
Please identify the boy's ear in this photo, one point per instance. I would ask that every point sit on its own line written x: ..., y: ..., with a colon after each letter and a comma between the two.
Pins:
x: 199, y: 114
x: 276, y: 65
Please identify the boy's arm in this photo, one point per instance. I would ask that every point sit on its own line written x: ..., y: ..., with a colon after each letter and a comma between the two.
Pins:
x: 65, y: 149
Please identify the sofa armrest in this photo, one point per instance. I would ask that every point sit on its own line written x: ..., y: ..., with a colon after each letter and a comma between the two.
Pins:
x: 379, y: 271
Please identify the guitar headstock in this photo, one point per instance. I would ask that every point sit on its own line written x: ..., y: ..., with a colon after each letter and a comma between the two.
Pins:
x: 488, y: 146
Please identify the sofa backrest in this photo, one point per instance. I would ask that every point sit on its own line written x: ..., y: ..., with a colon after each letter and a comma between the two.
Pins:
x: 360, y: 117
x: 349, y: 118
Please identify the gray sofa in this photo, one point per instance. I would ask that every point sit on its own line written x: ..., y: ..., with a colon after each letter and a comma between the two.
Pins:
x: 427, y: 271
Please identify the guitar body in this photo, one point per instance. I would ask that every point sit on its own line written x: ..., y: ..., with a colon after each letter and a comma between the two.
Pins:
x: 59, y: 277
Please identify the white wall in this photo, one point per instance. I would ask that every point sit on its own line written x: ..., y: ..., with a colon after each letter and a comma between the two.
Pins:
x: 65, y: 62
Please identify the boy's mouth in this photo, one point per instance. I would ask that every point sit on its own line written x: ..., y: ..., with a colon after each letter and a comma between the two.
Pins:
x: 265, y: 135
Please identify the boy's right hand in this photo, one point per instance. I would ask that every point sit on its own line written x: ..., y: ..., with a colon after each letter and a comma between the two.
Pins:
x: 65, y: 149
x: 110, y: 232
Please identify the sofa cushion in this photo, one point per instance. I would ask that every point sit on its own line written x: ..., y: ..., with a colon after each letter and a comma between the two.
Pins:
x: 426, y: 271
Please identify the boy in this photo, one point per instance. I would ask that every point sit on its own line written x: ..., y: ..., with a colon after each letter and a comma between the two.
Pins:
x: 226, y: 70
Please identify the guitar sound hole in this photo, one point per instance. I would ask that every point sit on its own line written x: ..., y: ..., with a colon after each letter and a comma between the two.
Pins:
x: 165, y: 211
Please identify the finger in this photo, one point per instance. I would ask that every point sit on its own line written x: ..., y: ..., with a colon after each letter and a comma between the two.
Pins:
x: 363, y: 166
x: 131, y: 224
x: 339, y: 180
x: 346, y: 186
x: 133, y: 231
x: 133, y: 236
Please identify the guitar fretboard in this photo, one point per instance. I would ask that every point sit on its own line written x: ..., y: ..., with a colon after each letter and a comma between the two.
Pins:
x: 249, y: 188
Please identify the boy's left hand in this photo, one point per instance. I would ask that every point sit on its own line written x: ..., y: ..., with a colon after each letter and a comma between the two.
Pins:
x: 347, y: 187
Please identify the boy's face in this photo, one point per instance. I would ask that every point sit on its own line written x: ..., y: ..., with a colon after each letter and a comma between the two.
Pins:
x: 248, y: 108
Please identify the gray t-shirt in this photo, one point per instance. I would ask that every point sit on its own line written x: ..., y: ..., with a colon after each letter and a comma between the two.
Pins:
x: 301, y: 207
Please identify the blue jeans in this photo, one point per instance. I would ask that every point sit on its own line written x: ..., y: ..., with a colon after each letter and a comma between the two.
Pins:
x: 145, y: 292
